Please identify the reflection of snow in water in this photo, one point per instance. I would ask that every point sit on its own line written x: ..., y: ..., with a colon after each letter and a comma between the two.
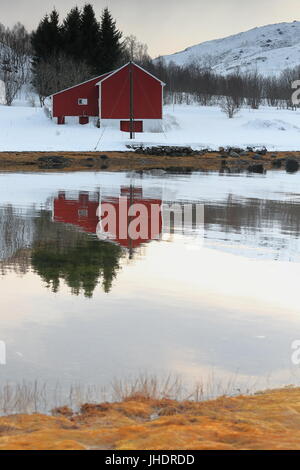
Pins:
x: 262, y: 243
x: 17, y: 230
x: 253, y: 216
x: 255, y: 228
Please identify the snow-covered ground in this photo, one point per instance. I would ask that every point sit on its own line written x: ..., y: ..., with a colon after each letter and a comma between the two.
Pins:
x: 29, y: 129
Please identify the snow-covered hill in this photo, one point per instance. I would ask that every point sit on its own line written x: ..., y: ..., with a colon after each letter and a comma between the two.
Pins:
x: 267, y: 49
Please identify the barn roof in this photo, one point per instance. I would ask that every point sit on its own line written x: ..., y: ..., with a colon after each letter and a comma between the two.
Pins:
x: 123, y: 66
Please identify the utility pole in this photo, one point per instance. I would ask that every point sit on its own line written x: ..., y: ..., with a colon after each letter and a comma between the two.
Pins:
x: 131, y: 101
x: 131, y: 199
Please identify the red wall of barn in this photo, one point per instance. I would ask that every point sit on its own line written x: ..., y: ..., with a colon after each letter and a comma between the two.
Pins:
x: 68, y: 211
x: 128, y: 242
x: 65, y: 103
x: 83, y: 213
x: 115, y: 95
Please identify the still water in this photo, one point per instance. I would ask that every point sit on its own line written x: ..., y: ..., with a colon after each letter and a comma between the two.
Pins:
x: 223, y: 300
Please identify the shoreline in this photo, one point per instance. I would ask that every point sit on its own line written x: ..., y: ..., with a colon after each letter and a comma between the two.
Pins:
x: 130, y: 160
x: 265, y: 420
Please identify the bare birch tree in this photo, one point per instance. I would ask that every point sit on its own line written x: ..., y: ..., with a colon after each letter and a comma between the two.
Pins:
x: 14, y: 60
x: 58, y: 73
x: 229, y: 106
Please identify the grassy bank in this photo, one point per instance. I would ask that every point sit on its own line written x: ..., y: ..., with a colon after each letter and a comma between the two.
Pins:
x: 269, y: 420
x: 117, y: 161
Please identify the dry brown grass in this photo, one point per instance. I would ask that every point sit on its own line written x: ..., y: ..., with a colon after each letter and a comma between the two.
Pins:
x: 269, y: 420
x: 28, y: 161
x: 35, y: 397
x: 147, y: 387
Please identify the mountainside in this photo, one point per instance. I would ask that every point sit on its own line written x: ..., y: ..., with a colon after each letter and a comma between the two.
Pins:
x: 267, y: 49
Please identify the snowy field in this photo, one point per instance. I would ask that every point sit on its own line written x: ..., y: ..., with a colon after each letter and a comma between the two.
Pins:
x: 29, y: 129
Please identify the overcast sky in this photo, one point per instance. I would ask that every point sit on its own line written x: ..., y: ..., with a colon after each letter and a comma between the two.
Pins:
x: 167, y: 26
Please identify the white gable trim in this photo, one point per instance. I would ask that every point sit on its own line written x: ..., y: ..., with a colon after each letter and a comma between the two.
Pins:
x: 153, y: 76
x: 112, y: 73
x: 123, y: 66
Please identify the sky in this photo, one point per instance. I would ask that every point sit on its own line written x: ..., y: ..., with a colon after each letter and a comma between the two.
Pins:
x: 166, y: 26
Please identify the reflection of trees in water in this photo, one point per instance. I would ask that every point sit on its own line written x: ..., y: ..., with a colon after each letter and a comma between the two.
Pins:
x: 81, y: 266
x: 19, y: 262
x: 61, y: 252
x: 236, y: 214
x: 267, y: 223
x: 17, y: 231
x: 57, y: 252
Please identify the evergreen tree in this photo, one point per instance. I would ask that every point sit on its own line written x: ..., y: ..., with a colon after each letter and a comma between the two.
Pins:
x: 46, y: 40
x: 55, y: 33
x: 81, y: 41
x: 72, y: 41
x: 81, y: 266
x: 40, y: 40
x: 46, y: 44
x: 110, y: 43
x: 90, y: 39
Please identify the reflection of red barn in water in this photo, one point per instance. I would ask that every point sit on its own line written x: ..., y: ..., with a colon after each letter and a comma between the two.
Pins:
x: 83, y: 211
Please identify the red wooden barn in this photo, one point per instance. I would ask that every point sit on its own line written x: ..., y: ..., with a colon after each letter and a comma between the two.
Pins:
x: 82, y: 212
x: 130, y: 98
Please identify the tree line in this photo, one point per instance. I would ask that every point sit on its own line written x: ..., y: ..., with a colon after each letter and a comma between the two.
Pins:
x: 74, y: 50
x: 59, y: 54
x: 202, y: 85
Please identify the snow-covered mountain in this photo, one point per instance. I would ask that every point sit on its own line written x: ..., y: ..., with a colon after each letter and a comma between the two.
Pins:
x: 267, y: 49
